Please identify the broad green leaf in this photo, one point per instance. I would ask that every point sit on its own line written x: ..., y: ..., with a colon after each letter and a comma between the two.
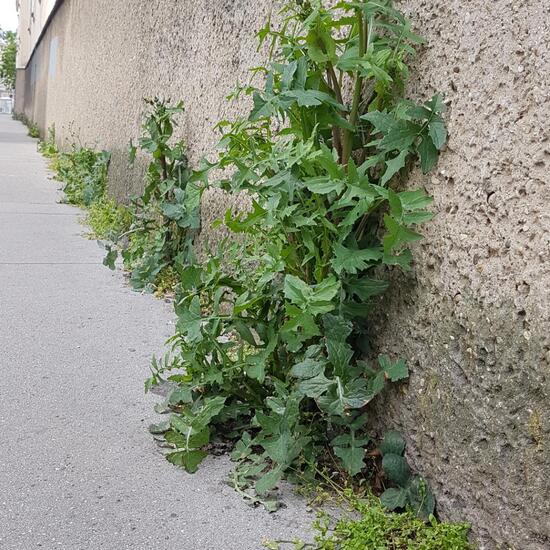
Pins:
x: 415, y: 200
x: 326, y: 290
x: 337, y: 328
x: 358, y: 211
x: 314, y: 387
x: 245, y: 301
x: 172, y: 211
x: 328, y: 159
x: 180, y: 394
x: 394, y: 498
x: 189, y: 460
x: 428, y: 154
x: 435, y: 104
x: 324, y: 185
x: 159, y: 428
x: 341, y: 398
x: 299, y: 328
x: 309, y: 368
x: 353, y: 260
x: 403, y: 259
x: 410, y: 218
x: 190, y: 320
x: 365, y: 288
x: 394, y: 371
x: 110, y: 258
x: 175, y: 439
x: 349, y: 440
x: 311, y: 98
x: 191, y: 217
x: 349, y: 60
x: 381, y: 121
x: 359, y: 422
x: 190, y: 277
x: 437, y: 132
x: 339, y: 352
x: 394, y: 165
x: 262, y: 108
x: 353, y: 176
x: 211, y: 408
x: 281, y: 448
x: 241, y: 223
x: 420, y: 497
x: 393, y: 443
x: 344, y: 440
x: 353, y: 310
x: 355, y: 395
x: 268, y: 481
x: 315, y: 299
x: 270, y: 424
x: 296, y: 290
x: 181, y: 425
x: 244, y: 332
x: 242, y: 448
x: 352, y: 458
x: 288, y: 75
x: 397, y: 235
x: 396, y: 207
x: 400, y: 136
x: 321, y: 45
x: 396, y: 469
x: 256, y: 370
x: 376, y: 385
x: 198, y: 439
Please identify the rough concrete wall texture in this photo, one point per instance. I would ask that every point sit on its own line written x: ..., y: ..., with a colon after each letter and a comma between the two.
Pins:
x: 473, y: 318
x: 474, y: 322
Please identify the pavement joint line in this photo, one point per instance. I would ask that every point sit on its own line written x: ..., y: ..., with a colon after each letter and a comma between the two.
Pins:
x: 48, y: 263
x: 41, y: 213
x: 40, y: 203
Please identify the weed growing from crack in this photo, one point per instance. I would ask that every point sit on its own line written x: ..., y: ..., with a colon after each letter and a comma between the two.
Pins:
x: 273, y: 327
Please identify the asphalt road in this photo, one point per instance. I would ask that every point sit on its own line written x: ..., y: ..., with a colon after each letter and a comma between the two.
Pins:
x: 78, y: 469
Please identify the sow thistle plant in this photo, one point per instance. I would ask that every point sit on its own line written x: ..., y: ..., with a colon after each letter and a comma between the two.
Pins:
x: 166, y: 215
x: 273, y: 328
x: 84, y: 173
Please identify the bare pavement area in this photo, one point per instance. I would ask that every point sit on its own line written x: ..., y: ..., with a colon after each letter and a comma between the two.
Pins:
x: 78, y: 468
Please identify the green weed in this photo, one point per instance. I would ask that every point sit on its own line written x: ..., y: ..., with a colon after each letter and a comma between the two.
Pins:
x: 84, y: 173
x: 48, y: 146
x: 273, y: 327
x: 165, y: 217
x: 33, y: 131
x: 107, y: 218
x: 377, y: 528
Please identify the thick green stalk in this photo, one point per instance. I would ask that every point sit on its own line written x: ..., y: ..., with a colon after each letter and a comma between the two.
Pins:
x: 353, y: 117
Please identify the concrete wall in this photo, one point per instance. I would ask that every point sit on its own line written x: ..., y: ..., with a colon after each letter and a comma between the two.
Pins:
x: 33, y: 18
x: 473, y: 318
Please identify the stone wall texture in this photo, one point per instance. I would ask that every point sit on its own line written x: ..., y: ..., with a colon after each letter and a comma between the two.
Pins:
x: 473, y: 318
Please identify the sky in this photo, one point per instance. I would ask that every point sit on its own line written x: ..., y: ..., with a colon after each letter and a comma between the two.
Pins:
x: 8, y: 15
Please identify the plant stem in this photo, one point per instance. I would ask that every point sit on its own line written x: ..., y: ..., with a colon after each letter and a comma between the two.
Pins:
x: 335, y: 85
x: 348, y: 135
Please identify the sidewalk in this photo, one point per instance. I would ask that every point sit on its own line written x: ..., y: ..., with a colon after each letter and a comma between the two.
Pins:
x: 78, y: 469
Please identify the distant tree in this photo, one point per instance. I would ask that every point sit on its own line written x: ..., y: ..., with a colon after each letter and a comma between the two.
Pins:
x: 8, y: 51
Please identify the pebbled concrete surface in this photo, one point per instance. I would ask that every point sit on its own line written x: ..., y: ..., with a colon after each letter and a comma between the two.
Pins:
x: 473, y: 318
x: 78, y: 469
